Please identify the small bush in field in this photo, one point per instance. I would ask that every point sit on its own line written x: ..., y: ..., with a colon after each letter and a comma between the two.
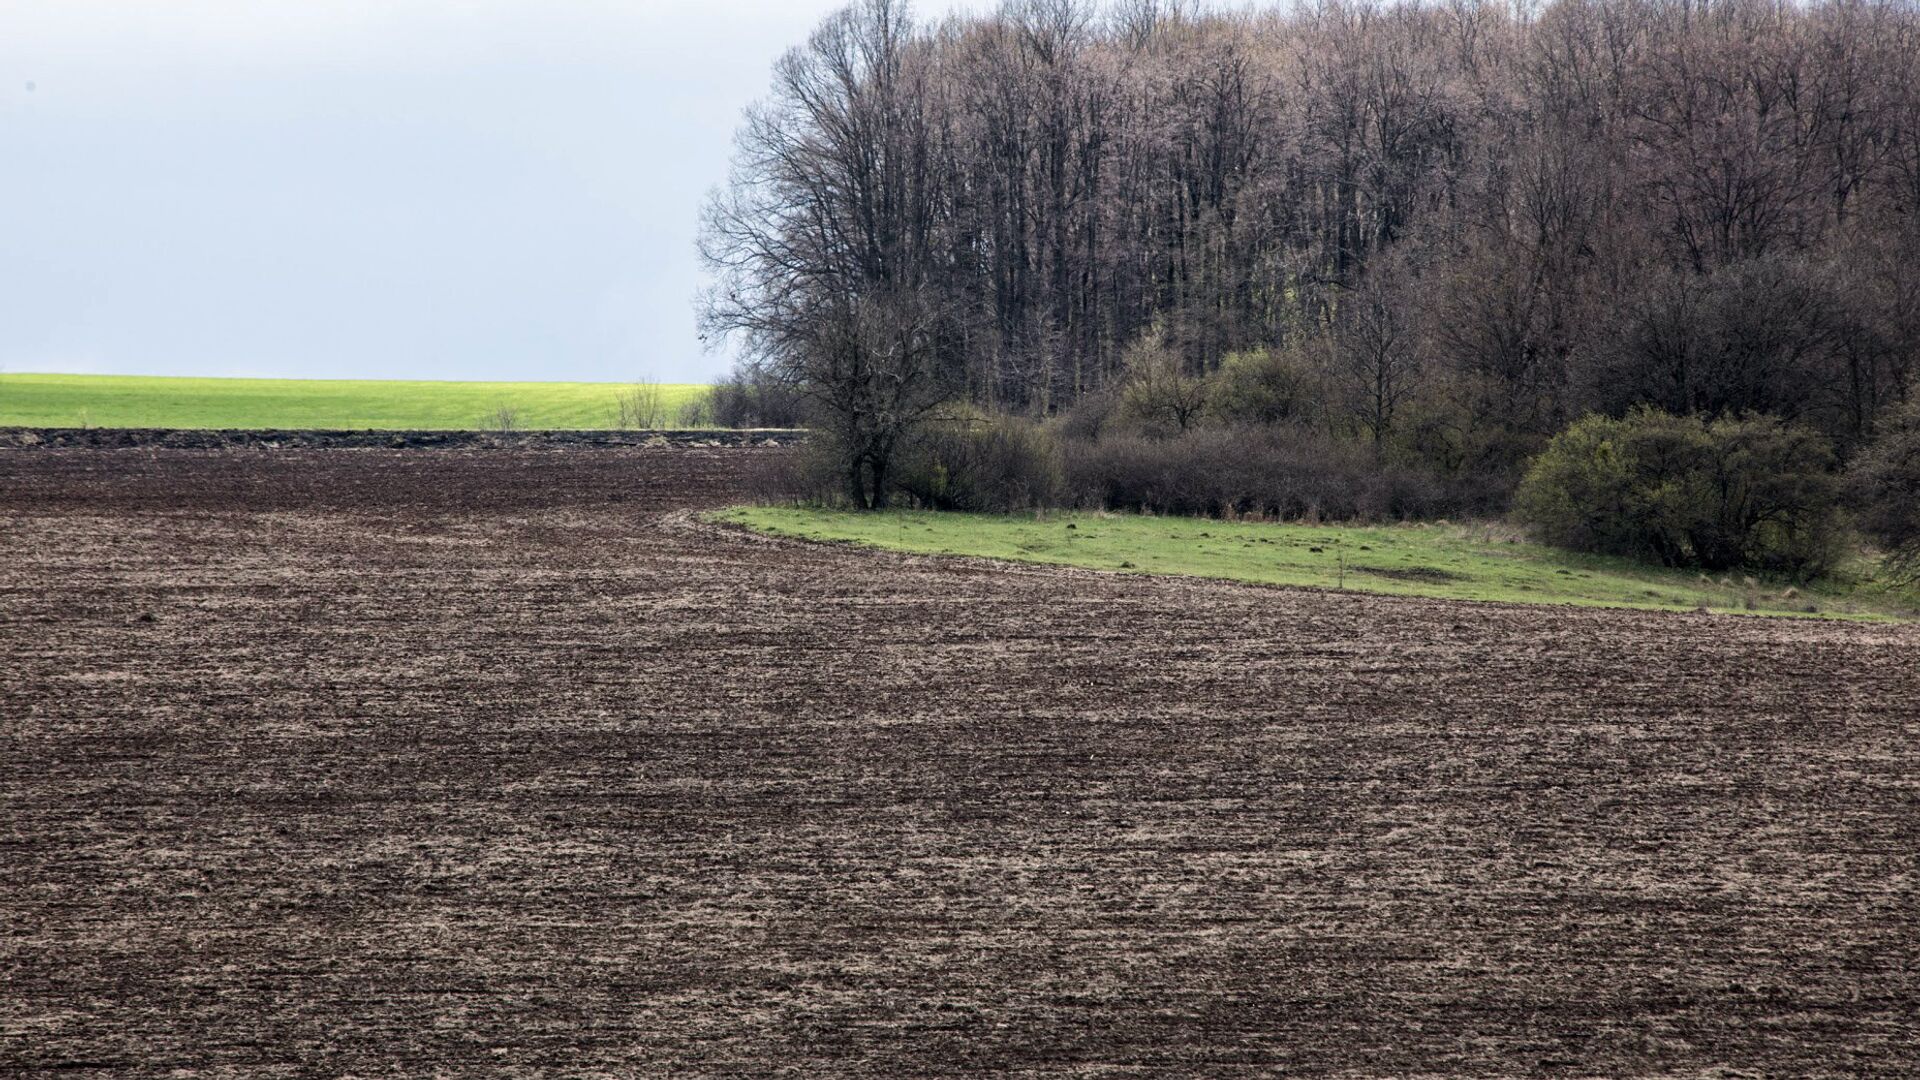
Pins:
x: 642, y: 405
x: 1752, y: 492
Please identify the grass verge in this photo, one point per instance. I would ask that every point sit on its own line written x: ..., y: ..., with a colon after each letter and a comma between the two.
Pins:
x: 1454, y: 562
x: 341, y: 404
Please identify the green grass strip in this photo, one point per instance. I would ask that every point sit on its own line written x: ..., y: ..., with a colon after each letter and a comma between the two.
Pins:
x: 1446, y: 561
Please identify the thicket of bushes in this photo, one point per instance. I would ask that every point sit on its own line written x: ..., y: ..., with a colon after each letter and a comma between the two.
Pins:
x: 1256, y: 439
x: 1734, y: 493
x: 746, y: 399
x: 1885, y: 483
x: 989, y: 466
x: 1290, y: 473
x: 1009, y: 464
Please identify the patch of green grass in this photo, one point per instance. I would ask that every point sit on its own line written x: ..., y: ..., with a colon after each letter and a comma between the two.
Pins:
x: 1458, y: 562
x: 348, y: 404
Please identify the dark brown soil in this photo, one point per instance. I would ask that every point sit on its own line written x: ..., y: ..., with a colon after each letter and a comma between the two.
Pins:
x: 500, y: 763
x: 18, y: 438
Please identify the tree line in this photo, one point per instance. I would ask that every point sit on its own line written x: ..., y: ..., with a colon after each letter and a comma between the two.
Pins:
x: 1441, y: 231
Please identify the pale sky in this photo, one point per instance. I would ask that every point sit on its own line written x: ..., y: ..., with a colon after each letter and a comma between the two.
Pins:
x: 448, y: 189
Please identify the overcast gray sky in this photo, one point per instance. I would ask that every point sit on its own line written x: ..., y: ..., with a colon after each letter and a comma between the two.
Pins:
x: 368, y: 188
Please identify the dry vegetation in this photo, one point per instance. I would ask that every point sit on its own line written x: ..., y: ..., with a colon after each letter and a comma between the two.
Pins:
x: 401, y: 763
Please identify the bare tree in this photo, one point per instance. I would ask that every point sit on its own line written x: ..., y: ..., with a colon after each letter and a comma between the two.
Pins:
x: 826, y: 243
x: 642, y: 405
x: 1375, y: 358
x: 1159, y: 390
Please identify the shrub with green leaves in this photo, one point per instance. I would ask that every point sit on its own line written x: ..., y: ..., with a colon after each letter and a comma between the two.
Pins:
x: 1749, y: 493
x: 1160, y: 396
x: 1886, y: 485
x: 1265, y: 387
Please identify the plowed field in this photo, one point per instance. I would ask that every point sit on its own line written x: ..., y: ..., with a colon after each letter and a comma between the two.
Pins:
x: 410, y: 763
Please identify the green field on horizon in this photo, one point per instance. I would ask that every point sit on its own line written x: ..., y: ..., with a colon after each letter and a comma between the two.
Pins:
x: 1442, y: 561
x: 159, y: 401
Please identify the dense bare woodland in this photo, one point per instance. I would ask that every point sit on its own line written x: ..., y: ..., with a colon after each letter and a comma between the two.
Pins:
x: 1439, y: 231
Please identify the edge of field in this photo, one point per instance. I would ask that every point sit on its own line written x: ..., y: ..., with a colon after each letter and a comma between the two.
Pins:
x: 18, y: 438
x: 1472, y: 564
